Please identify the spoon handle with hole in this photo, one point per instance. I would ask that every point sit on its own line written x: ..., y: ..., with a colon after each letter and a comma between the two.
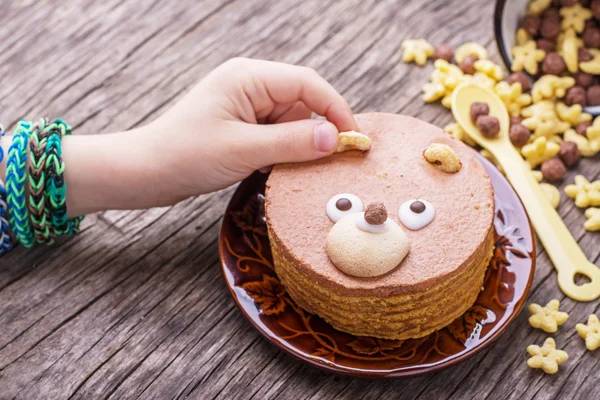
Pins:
x: 565, y: 253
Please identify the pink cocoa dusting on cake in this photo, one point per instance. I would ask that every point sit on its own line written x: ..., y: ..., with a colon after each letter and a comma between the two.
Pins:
x: 392, y: 172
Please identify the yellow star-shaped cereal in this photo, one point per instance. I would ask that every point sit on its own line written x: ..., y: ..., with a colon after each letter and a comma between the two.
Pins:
x: 470, y: 49
x: 574, y: 115
x: 444, y: 79
x: 593, y: 219
x: 527, y: 57
x: 540, y: 150
x: 433, y: 91
x: 547, y: 357
x: 568, y: 34
x: 541, y: 118
x: 513, y: 97
x: 584, y: 192
x: 592, y: 66
x: 489, y: 68
x: 569, y: 50
x: 552, y: 193
x: 417, y: 50
x: 587, y: 147
x: 536, y: 7
x: 549, y: 87
x: 522, y: 37
x: 547, y: 318
x: 590, y: 332
x: 574, y: 17
x: 459, y: 133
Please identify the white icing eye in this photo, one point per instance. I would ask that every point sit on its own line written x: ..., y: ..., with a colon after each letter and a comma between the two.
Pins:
x: 416, y: 214
x: 341, y: 205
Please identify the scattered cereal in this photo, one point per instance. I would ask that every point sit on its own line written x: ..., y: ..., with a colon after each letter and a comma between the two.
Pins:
x: 519, y: 135
x: 468, y: 65
x: 569, y: 52
x: 584, y: 193
x: 592, y: 66
x: 537, y: 175
x: 547, y: 318
x: 551, y: 193
x: 547, y: 357
x: 536, y: 7
x: 444, y: 51
x: 489, y: 68
x: 590, y: 332
x: 459, y: 133
x: 527, y: 57
x: 470, y: 49
x: 417, y: 50
x: 539, y: 151
x: 352, y: 140
x: 574, y: 115
x: 521, y: 78
x: 443, y: 156
x: 574, y: 17
x: 593, y: 222
x: 522, y: 37
x: 513, y: 97
x: 541, y: 118
x: 553, y: 170
x: 550, y: 87
x: 587, y: 147
x: 569, y: 154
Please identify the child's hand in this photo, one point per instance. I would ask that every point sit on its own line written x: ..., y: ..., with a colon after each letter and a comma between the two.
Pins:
x: 248, y: 115
x: 245, y: 115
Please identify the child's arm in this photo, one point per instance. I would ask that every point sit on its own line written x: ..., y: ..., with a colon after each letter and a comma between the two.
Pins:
x: 245, y: 115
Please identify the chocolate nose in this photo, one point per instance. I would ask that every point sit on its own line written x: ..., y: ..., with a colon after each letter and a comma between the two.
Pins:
x: 376, y: 214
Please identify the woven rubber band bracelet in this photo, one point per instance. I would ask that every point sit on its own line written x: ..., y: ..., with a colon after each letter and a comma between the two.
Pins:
x: 38, y: 211
x: 56, y: 188
x: 5, y: 241
x: 15, y: 185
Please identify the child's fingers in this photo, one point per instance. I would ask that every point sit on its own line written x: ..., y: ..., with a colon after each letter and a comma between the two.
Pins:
x: 297, y: 141
x: 289, y: 112
x: 278, y: 83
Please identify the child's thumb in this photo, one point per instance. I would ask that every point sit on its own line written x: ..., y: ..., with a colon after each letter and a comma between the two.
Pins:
x: 296, y: 141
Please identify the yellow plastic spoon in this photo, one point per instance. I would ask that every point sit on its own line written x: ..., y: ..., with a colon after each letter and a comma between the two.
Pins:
x: 565, y: 253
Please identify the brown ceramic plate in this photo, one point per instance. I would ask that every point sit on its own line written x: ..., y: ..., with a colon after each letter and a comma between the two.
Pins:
x: 248, y: 270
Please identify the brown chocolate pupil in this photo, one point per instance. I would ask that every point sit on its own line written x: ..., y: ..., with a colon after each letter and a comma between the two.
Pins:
x: 343, y: 204
x: 417, y: 207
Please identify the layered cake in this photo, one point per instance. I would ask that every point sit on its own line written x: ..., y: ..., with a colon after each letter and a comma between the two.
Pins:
x: 392, y: 242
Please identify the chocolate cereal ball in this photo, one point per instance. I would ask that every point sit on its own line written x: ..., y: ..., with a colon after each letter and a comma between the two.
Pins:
x: 478, y: 109
x: 584, y: 54
x: 584, y: 79
x: 467, y: 65
x: 575, y: 95
x: 593, y: 95
x: 515, y: 120
x: 531, y: 24
x: 591, y: 37
x: 549, y: 29
x: 488, y: 126
x: 546, y: 45
x: 569, y: 154
x: 569, y: 3
x: 581, y: 128
x: 551, y: 14
x: 553, y: 64
x: 595, y: 7
x: 444, y: 51
x: 553, y: 170
x: 519, y: 135
x: 521, y: 78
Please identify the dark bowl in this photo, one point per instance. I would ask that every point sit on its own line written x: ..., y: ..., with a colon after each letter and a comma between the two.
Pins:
x: 507, y: 15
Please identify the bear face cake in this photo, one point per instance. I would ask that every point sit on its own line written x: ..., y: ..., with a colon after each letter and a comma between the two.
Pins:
x: 393, y: 242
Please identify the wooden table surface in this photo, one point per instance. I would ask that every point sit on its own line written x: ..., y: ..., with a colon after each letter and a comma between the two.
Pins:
x: 136, y: 306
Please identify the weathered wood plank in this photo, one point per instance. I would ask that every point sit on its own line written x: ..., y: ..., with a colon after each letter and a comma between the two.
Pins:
x: 136, y: 306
